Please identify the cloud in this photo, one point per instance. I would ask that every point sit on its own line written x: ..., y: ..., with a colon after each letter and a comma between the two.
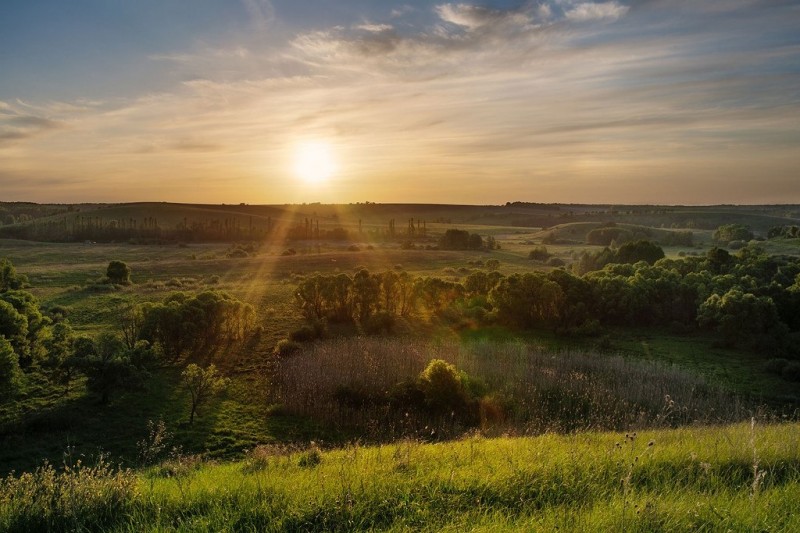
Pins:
x: 374, y: 28
x: 17, y: 125
x: 589, y: 11
x: 262, y: 13
x: 547, y: 95
x: 473, y: 17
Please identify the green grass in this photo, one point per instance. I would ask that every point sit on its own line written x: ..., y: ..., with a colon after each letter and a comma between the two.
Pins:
x: 731, y: 478
x: 43, y: 423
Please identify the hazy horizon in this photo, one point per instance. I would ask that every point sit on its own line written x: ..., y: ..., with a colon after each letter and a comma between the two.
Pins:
x: 655, y: 102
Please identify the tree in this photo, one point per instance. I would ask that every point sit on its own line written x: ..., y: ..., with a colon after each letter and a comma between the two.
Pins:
x: 60, y: 359
x: 118, y: 273
x: 741, y: 317
x: 633, y: 252
x: 108, y: 366
x: 10, y: 374
x: 130, y: 319
x: 733, y: 232
x: 202, y: 384
x: 9, y: 279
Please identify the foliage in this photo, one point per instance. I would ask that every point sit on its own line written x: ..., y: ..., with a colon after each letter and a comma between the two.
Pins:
x: 110, y: 367
x: 340, y: 298
x: 10, y: 375
x: 203, y: 384
x: 732, y: 232
x: 605, y: 236
x: 9, y: 279
x: 456, y: 239
x: 118, y: 273
x: 628, y: 253
x: 24, y: 325
x: 182, y: 323
x: 539, y: 253
x: 387, y: 389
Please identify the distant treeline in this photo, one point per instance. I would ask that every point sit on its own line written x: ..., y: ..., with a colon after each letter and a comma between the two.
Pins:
x: 95, y: 228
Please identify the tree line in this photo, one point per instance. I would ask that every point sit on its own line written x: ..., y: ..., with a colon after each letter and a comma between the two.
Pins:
x: 750, y: 300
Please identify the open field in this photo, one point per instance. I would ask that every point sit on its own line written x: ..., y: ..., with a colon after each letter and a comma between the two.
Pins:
x: 534, y: 379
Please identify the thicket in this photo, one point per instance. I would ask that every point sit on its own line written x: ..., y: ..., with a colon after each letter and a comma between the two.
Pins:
x: 750, y: 300
x: 182, y: 323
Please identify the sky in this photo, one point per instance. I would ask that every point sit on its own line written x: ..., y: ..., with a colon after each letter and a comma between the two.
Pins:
x: 286, y: 101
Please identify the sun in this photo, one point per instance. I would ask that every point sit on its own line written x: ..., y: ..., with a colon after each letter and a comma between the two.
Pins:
x: 314, y: 162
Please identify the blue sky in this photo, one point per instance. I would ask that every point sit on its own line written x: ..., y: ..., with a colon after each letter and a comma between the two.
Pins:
x: 670, y: 101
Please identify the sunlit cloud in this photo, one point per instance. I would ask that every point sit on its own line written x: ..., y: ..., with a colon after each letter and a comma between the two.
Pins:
x: 552, y: 101
x: 586, y: 11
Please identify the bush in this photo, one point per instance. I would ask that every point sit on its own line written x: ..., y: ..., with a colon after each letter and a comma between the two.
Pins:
x: 118, y: 273
x: 443, y: 388
x: 539, y: 253
x: 555, y: 262
x: 303, y: 334
x: 287, y: 347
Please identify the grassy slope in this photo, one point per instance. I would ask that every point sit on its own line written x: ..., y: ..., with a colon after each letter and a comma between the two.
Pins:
x: 735, y: 478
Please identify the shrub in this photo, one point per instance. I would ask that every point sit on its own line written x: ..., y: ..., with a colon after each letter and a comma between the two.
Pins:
x: 303, y: 334
x: 555, y: 262
x: 118, y: 273
x: 443, y: 388
x: 492, y: 264
x: 539, y: 253
x: 287, y: 347
x: 311, y: 458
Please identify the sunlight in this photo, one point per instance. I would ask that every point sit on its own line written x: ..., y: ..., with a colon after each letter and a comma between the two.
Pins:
x: 314, y: 162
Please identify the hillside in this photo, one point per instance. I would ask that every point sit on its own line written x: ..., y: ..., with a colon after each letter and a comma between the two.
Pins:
x: 734, y: 478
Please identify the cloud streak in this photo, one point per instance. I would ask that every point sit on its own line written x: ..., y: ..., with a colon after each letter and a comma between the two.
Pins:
x: 657, y: 100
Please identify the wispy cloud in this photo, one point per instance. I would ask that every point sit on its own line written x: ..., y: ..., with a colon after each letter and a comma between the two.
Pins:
x: 587, y: 11
x: 560, y: 99
x: 262, y: 12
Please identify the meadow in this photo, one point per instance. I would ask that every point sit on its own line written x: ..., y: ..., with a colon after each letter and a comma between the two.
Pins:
x: 744, y: 477
x: 349, y: 414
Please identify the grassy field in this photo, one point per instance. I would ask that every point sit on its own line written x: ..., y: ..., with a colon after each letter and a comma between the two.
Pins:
x: 44, y: 422
x: 733, y: 478
x: 246, y: 464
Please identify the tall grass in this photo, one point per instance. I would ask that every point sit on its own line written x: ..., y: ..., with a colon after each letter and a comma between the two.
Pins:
x: 528, y: 390
x: 75, y: 497
x: 724, y: 478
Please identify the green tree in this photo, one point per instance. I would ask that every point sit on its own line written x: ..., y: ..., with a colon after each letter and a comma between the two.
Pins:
x: 740, y: 317
x: 118, y: 273
x: 203, y: 384
x: 108, y: 367
x: 9, y: 279
x: 10, y: 375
